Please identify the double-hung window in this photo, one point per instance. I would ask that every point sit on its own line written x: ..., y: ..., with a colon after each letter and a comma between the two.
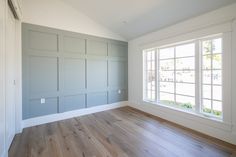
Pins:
x: 187, y: 76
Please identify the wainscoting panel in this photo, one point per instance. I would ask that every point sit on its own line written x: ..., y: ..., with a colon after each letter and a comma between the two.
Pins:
x: 65, y: 71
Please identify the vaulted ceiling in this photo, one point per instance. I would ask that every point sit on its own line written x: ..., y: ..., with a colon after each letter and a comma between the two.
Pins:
x: 133, y: 18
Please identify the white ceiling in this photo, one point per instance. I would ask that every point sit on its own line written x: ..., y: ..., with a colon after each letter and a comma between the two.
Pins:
x: 133, y: 18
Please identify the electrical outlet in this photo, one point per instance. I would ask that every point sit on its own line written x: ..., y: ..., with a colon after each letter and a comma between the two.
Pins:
x: 43, y: 100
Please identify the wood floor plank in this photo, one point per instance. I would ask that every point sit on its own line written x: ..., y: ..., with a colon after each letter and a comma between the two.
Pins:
x: 123, y: 132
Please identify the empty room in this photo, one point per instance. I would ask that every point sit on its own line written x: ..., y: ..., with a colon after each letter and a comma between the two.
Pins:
x: 117, y: 78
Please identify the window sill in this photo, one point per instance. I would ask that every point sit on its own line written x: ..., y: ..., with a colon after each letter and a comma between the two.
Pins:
x: 204, y: 116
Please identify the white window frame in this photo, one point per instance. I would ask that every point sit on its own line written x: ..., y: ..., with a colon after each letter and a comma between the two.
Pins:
x: 145, y: 71
x: 174, y: 58
x: 226, y: 75
x: 201, y: 77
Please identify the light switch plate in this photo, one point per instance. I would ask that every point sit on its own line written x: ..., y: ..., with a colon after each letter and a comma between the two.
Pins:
x: 119, y: 91
x: 42, y: 100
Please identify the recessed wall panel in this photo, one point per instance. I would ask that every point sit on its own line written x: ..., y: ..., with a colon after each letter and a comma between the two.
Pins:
x: 96, y: 74
x: 74, y: 45
x: 117, y: 50
x: 117, y: 95
x: 43, y: 74
x: 36, y: 108
x: 73, y: 102
x: 43, y: 41
x: 96, y: 99
x: 96, y: 48
x: 74, y: 74
x: 117, y: 74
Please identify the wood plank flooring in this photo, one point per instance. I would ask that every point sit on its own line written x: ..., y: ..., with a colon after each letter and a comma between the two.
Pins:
x: 123, y: 132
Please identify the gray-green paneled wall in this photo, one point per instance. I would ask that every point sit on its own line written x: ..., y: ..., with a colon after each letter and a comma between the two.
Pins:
x: 64, y: 71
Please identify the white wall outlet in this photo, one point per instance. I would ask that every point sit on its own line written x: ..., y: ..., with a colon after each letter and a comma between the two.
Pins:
x: 43, y: 100
x: 119, y: 91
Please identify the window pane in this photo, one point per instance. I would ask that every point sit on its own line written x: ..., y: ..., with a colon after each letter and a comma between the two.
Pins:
x: 206, y: 106
x: 206, y: 47
x: 149, y: 85
x: 217, y: 45
x: 150, y: 55
x: 185, y: 89
x: 185, y: 102
x: 217, y: 92
x: 206, y: 77
x: 167, y: 64
x: 149, y: 71
x: 185, y: 63
x: 217, y: 77
x: 166, y: 99
x: 207, y: 91
x: 185, y: 76
x: 153, y: 95
x: 149, y: 95
x: 166, y: 76
x: 206, y: 62
x: 151, y: 65
x: 167, y: 87
x: 217, y: 108
x: 217, y: 61
x: 185, y: 50
x: 166, y: 53
x: 151, y: 76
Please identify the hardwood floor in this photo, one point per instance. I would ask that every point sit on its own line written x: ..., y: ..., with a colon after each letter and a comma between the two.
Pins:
x: 123, y: 132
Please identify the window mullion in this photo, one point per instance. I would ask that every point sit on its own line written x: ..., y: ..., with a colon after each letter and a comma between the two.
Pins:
x: 157, y: 74
x: 198, y: 76
x: 175, y: 74
x: 146, y: 71
x: 211, y: 78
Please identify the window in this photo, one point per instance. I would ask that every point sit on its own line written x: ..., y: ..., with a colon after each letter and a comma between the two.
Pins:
x: 211, y: 76
x: 186, y: 76
x: 150, y: 73
x: 176, y: 76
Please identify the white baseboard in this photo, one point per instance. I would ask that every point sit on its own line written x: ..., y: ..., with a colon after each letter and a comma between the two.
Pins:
x: 212, y: 128
x: 66, y: 115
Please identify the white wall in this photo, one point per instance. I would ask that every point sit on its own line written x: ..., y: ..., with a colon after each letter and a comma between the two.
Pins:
x: 225, y: 131
x: 57, y: 14
x: 3, y: 17
x: 2, y: 77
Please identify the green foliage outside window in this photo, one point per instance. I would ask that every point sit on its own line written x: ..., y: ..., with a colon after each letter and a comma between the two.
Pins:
x: 189, y: 106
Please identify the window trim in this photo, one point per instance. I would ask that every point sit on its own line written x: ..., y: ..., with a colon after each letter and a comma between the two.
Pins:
x: 226, y: 68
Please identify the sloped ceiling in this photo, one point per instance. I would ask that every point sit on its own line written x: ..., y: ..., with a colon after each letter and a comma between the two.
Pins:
x: 133, y: 18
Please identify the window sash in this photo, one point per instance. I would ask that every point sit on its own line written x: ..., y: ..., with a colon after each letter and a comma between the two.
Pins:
x: 175, y: 70
x: 211, y: 84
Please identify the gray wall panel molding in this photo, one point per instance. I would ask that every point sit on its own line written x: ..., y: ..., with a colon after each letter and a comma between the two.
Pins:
x: 117, y: 50
x: 74, y: 45
x: 97, y: 48
x: 64, y: 71
x: 96, y: 99
x: 73, y: 102
x: 43, y: 41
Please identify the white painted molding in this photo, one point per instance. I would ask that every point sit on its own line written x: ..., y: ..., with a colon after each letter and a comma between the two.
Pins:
x: 190, y: 35
x: 221, y: 131
x: 66, y: 115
